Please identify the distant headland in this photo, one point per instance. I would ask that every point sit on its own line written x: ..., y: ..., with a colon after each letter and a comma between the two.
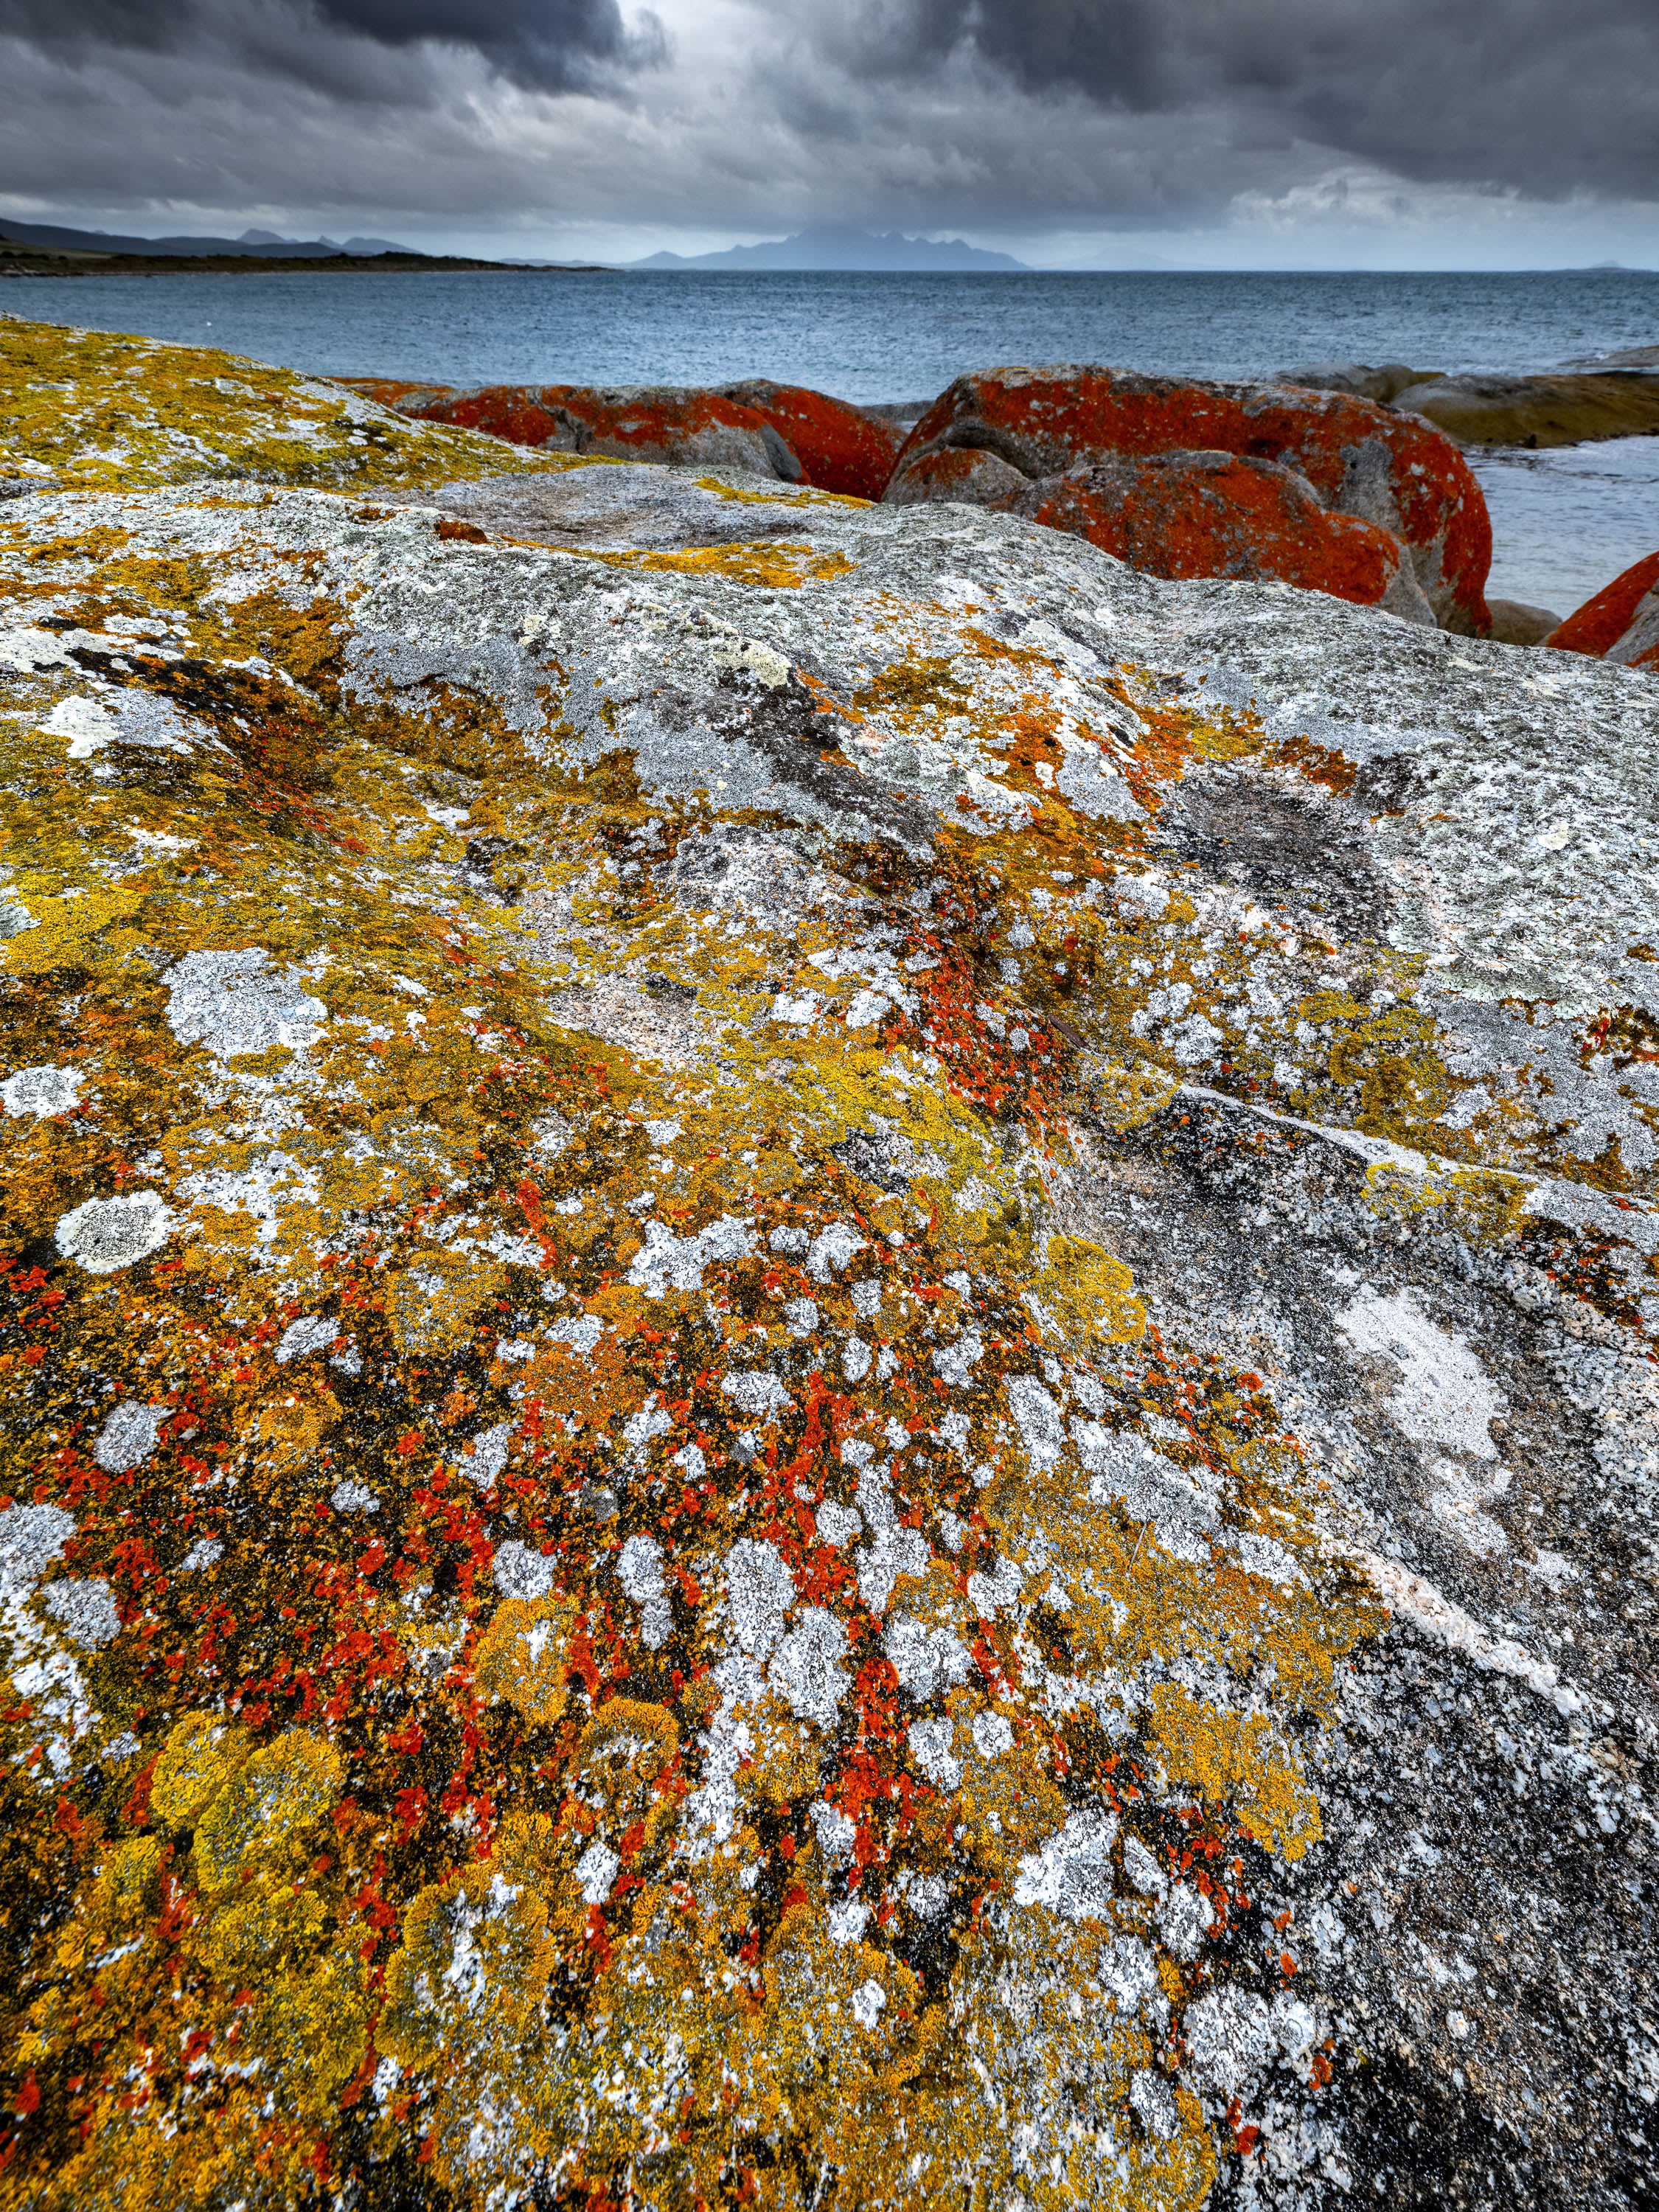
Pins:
x: 839, y: 245
x: 49, y: 249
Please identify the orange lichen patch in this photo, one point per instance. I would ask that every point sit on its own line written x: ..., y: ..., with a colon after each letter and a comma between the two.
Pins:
x: 840, y: 447
x: 1042, y: 422
x: 1598, y: 625
x: 928, y: 686
x: 1318, y: 763
x: 1218, y: 514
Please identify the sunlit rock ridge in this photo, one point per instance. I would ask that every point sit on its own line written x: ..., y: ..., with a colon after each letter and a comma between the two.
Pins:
x: 829, y: 1360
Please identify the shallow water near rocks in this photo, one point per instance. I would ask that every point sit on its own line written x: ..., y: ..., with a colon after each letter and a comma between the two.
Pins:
x: 1566, y: 521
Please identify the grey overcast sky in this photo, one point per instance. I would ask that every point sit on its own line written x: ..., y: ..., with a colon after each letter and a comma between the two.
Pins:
x: 1383, y: 133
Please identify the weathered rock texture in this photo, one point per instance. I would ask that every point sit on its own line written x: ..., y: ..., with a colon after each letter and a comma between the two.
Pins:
x: 1215, y: 514
x: 830, y: 1373
x: 1361, y: 459
x: 630, y: 421
x: 1621, y: 621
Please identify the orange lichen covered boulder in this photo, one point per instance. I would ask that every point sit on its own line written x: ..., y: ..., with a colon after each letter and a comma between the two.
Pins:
x: 1215, y: 514
x: 1621, y: 621
x: 1361, y: 459
x: 630, y: 422
x: 840, y: 447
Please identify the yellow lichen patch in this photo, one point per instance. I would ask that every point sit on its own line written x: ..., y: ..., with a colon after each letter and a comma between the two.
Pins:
x: 522, y: 1656
x: 768, y: 564
x: 281, y: 1789
x: 67, y: 930
x: 785, y: 496
x: 1092, y: 1292
x: 1239, y: 1760
x: 264, y: 1923
x: 495, y: 1918
x: 127, y: 1886
x: 956, y: 1162
x: 313, y: 2028
x: 1040, y: 2023
x: 1403, y: 1083
x: 1007, y: 1805
x: 1486, y: 1205
x: 1125, y: 1096
x: 622, y: 1754
x: 202, y: 1754
x: 86, y: 408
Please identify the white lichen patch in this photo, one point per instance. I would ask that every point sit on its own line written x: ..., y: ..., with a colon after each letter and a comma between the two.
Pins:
x: 105, y: 1235
x: 1444, y: 1395
x: 40, y: 1092
x: 235, y: 1003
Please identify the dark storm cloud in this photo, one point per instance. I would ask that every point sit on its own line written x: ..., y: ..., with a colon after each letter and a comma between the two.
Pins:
x: 1546, y: 96
x: 1015, y: 117
x: 549, y: 45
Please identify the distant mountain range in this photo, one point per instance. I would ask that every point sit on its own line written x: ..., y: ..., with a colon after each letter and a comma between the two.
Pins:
x: 261, y: 242
x: 837, y: 246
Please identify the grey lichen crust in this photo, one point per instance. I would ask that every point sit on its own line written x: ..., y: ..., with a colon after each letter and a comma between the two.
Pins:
x: 591, y: 1059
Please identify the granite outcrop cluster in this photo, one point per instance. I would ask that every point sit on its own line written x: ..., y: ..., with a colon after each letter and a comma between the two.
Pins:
x: 829, y: 1340
x: 1342, y: 477
x: 1320, y: 490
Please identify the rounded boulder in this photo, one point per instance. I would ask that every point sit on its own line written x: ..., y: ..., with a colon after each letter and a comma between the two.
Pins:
x: 665, y: 423
x: 1361, y: 459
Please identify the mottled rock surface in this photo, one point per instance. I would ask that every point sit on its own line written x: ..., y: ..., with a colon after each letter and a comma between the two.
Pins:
x: 1216, y: 514
x: 829, y: 1367
x: 1620, y: 621
x: 89, y: 410
x: 1362, y: 458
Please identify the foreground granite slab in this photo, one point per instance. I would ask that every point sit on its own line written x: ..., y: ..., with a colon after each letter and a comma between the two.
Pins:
x: 830, y: 1375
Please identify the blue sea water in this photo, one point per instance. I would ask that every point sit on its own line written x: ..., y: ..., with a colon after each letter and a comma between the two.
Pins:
x: 1565, y: 522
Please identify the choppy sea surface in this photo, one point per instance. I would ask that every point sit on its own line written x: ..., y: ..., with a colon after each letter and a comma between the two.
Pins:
x: 1565, y: 521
